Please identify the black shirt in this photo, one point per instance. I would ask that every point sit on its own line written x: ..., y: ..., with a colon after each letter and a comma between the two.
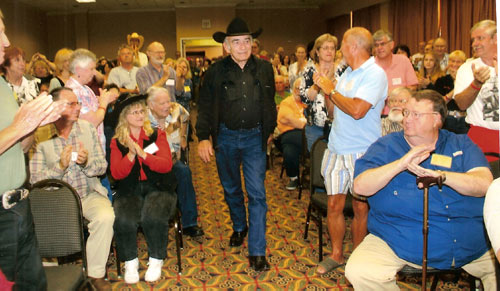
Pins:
x: 241, y: 97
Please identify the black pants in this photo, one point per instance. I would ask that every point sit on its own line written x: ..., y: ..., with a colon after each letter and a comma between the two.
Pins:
x: 291, y: 145
x: 19, y: 257
x: 148, y: 207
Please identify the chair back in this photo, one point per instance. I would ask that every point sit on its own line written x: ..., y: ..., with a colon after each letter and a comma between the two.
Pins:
x: 57, y: 216
x: 317, y: 151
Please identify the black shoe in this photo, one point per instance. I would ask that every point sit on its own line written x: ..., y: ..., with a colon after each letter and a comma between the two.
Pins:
x: 259, y: 263
x: 193, y: 231
x: 238, y: 237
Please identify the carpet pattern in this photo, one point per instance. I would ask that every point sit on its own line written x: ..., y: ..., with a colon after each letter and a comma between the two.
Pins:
x: 210, y: 264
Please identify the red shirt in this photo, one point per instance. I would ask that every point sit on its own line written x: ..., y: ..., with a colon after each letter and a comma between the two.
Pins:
x: 160, y: 162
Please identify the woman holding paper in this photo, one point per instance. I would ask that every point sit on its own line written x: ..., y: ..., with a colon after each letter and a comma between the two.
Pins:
x: 140, y: 156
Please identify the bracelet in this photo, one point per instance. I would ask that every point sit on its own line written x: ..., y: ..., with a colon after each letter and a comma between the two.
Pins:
x: 474, y: 87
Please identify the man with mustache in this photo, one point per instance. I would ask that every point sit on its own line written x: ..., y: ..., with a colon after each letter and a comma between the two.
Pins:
x: 396, y: 102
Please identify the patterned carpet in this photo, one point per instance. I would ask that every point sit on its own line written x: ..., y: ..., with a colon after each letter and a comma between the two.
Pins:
x: 210, y: 264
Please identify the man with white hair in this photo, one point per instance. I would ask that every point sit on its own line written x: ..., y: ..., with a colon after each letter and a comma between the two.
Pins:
x: 173, y: 119
x: 156, y: 73
x: 396, y: 102
x: 476, y: 87
x: 238, y: 115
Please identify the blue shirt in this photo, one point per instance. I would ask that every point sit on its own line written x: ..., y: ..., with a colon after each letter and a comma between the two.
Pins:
x: 456, y: 231
x: 368, y: 83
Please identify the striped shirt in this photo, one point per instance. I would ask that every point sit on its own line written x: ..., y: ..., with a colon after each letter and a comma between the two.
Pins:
x: 85, y: 179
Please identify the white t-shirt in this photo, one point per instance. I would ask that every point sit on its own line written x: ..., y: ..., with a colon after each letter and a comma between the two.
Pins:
x: 484, y: 110
x: 492, y: 214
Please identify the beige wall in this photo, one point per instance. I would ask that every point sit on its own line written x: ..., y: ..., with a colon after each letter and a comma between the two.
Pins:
x: 210, y: 52
x: 26, y: 27
x: 189, y: 21
x: 284, y: 27
x: 103, y: 33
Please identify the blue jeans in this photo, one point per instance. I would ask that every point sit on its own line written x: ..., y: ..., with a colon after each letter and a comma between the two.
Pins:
x: 19, y: 258
x: 234, y: 148
x: 313, y: 132
x: 185, y: 194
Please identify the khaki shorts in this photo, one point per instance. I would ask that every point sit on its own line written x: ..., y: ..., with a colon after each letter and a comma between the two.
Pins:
x: 338, y: 172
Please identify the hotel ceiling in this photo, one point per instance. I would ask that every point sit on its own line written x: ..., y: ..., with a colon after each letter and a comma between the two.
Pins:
x: 67, y: 6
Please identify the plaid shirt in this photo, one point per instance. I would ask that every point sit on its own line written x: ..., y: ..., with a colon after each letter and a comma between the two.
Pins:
x: 45, y: 161
x: 89, y: 103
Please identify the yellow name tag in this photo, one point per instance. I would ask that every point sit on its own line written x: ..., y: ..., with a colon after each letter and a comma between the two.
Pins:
x: 441, y: 161
x: 187, y: 89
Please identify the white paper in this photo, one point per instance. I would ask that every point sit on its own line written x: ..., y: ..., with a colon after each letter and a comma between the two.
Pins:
x: 151, y: 149
x: 74, y: 156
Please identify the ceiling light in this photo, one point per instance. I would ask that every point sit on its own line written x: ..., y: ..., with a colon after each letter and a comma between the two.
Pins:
x: 85, y: 1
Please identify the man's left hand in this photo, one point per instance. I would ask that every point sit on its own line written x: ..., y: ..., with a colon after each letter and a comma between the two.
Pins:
x: 82, y: 155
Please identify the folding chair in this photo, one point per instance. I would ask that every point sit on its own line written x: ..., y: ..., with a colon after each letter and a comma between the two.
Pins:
x: 57, y: 216
x: 318, y: 202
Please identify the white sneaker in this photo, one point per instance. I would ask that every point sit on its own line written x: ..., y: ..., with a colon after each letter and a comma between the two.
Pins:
x: 154, y: 270
x: 132, y: 271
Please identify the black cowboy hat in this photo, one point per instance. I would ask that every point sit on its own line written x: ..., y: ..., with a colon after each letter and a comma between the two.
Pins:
x: 237, y: 26
x: 123, y: 101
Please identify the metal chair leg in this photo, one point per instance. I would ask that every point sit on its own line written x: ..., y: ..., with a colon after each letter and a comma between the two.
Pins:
x: 308, y: 219
x: 178, y: 241
x: 320, y: 239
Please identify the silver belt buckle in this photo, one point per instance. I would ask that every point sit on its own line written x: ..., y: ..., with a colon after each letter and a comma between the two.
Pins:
x: 8, y: 194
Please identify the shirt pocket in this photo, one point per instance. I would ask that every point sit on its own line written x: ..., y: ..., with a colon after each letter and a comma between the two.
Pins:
x: 230, y: 92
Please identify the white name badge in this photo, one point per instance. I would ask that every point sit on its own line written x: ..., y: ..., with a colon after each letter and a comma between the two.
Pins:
x: 151, y: 149
x: 396, y: 81
x: 170, y: 82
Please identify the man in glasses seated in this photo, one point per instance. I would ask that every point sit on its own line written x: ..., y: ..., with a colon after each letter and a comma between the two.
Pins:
x: 387, y: 173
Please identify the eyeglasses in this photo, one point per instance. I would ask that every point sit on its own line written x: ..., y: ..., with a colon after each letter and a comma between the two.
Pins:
x: 73, y: 104
x: 137, y: 112
x: 382, y: 43
x: 407, y: 113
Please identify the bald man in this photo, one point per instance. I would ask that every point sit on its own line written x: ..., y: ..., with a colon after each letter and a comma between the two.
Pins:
x: 156, y: 73
x: 359, y: 97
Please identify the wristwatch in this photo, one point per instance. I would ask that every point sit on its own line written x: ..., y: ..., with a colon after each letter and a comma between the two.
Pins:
x: 333, y: 92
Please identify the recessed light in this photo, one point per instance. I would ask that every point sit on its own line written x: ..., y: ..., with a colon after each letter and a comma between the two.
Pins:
x: 85, y: 1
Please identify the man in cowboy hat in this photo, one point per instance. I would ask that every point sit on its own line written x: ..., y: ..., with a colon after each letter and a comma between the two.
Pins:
x: 237, y: 110
x: 135, y: 41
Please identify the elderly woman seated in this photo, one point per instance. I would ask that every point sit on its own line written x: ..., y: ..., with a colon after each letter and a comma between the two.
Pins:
x: 140, y: 157
x: 291, y: 121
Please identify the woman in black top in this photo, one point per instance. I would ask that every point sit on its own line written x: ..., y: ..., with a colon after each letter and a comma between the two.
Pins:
x: 455, y: 121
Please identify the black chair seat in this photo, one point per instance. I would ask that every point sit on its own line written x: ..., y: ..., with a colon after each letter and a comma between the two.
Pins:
x: 64, y: 277
x: 438, y: 274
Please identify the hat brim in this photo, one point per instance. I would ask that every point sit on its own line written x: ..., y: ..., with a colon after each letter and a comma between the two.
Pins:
x: 122, y: 102
x: 219, y: 36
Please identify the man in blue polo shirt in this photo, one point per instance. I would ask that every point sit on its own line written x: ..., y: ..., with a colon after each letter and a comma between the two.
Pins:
x: 358, y: 98
x: 387, y: 173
